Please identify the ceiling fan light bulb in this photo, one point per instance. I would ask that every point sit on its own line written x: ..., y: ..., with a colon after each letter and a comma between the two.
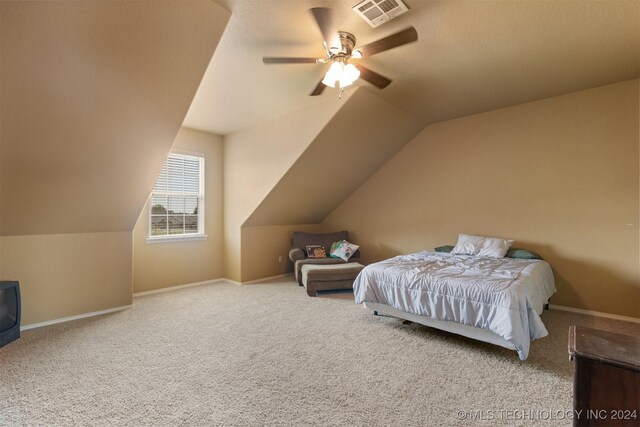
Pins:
x: 345, y: 82
x: 350, y: 75
x: 327, y: 82
x: 336, y: 70
x: 335, y: 73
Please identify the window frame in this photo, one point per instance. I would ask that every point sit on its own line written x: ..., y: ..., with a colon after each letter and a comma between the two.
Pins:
x: 200, y: 235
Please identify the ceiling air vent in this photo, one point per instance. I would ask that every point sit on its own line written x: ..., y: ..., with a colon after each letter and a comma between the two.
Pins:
x: 377, y: 12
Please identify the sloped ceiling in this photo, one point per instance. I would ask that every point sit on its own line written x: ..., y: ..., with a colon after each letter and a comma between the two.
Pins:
x: 256, y: 159
x: 367, y: 131
x: 471, y: 56
x: 93, y: 94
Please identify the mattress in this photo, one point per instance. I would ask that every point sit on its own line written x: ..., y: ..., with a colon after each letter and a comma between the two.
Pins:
x: 505, y: 296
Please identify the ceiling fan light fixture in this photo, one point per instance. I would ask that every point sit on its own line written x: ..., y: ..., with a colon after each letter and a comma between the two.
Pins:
x: 339, y: 72
x: 334, y: 74
x: 340, y: 48
x: 350, y: 75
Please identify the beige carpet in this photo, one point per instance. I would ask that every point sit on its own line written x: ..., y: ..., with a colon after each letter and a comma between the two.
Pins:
x: 269, y: 355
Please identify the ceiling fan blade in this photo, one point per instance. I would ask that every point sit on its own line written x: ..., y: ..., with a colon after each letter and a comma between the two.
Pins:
x: 318, y: 89
x: 394, y: 40
x: 374, y: 78
x: 325, y: 21
x: 284, y: 60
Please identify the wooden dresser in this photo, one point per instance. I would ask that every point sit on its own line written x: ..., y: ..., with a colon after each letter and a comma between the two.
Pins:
x: 606, y: 381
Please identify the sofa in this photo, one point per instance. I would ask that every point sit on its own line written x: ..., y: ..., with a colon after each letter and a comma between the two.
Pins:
x: 298, y: 252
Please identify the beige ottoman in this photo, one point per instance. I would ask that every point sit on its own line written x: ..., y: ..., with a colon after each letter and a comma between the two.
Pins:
x: 329, y: 277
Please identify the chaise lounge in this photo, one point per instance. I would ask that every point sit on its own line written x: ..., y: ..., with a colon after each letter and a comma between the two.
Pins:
x: 298, y: 255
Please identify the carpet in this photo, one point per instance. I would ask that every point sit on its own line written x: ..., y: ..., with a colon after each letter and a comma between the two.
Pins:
x: 267, y: 354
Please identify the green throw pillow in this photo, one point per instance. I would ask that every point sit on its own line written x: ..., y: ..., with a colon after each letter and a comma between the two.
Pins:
x: 346, y: 250
x: 522, y: 254
x: 334, y: 248
x: 445, y: 248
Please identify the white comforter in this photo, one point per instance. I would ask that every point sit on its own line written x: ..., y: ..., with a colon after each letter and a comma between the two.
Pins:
x: 503, y: 295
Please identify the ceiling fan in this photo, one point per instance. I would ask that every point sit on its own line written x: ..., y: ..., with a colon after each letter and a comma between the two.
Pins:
x: 339, y: 47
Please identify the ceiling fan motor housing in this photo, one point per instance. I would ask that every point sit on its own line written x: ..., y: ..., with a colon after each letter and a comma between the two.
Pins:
x: 348, y: 41
x: 339, y: 47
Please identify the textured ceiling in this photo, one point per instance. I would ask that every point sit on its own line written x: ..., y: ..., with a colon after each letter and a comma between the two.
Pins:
x: 471, y: 56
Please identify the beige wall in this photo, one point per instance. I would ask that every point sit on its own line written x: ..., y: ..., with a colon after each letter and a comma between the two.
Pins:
x: 559, y: 175
x: 296, y: 169
x: 68, y: 274
x: 256, y: 159
x: 93, y: 95
x: 159, y: 265
x: 262, y: 245
x: 91, y: 104
x: 366, y: 133
x: 354, y: 143
x: 1, y: 276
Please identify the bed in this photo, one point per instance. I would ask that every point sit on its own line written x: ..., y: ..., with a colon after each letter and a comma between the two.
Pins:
x: 493, y: 300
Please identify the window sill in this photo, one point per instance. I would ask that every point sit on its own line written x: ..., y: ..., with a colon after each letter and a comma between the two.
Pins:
x: 173, y: 239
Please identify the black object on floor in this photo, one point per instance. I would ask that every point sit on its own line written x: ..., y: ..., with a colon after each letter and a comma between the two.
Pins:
x: 9, y: 312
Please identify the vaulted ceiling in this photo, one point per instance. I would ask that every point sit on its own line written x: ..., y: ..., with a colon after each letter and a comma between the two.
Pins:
x: 471, y: 56
x: 93, y: 95
x: 348, y: 150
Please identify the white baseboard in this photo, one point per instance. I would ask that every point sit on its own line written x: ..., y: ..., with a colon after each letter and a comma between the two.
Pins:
x: 139, y: 294
x: 173, y: 288
x: 595, y: 313
x: 264, y: 279
x: 206, y: 282
x: 76, y: 317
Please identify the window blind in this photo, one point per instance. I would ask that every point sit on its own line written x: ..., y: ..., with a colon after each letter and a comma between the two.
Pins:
x: 177, y: 198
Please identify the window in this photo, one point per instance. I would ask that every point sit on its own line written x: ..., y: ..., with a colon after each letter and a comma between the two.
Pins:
x: 176, y: 204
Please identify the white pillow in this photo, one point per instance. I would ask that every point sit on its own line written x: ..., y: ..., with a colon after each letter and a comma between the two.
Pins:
x: 467, y: 245
x: 495, y: 247
x: 345, y: 250
x: 490, y: 247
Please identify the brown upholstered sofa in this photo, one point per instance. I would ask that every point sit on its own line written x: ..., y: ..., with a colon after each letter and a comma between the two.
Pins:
x: 298, y: 253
